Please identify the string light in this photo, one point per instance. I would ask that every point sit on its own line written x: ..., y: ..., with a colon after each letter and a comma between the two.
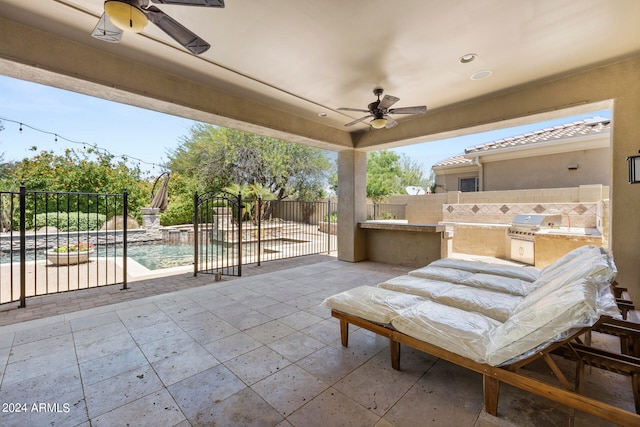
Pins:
x: 94, y: 147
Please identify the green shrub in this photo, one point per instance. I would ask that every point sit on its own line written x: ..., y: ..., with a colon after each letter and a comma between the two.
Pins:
x: 178, y: 212
x: 75, y: 221
x: 331, y: 218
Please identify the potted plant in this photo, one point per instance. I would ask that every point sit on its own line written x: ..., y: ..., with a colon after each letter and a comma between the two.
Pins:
x: 70, y: 254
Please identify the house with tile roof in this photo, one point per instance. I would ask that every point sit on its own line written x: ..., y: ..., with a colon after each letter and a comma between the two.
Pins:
x: 568, y: 155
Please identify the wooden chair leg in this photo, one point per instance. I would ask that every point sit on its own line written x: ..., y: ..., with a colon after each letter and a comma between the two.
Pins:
x: 635, y: 383
x: 344, y: 332
x: 395, y: 354
x: 491, y: 391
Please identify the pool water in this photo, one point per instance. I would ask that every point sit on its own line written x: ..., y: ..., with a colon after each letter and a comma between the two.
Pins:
x: 152, y: 255
x: 159, y: 255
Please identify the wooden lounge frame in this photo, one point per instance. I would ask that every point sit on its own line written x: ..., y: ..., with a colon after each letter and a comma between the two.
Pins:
x: 492, y: 375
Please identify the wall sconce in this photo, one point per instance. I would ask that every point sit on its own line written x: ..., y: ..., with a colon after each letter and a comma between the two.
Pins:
x: 572, y: 166
x: 634, y: 169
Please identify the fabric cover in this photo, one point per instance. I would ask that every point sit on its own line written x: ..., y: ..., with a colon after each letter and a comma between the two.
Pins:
x: 499, y: 283
x: 497, y: 305
x: 523, y: 273
x: 374, y: 304
x: 450, y: 328
x: 442, y: 274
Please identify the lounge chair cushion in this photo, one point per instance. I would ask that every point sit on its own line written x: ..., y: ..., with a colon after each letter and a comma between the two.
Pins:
x: 497, y: 305
x: 443, y: 274
x: 458, y: 331
x: 599, y: 268
x: 523, y: 273
x: 374, y: 304
x: 510, y: 285
x: 561, y: 311
x: 579, y: 261
x: 427, y: 288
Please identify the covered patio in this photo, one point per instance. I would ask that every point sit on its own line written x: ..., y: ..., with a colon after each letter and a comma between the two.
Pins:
x: 287, y: 71
x: 258, y: 350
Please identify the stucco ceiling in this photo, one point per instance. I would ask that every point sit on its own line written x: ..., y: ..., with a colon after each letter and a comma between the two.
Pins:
x: 303, y: 58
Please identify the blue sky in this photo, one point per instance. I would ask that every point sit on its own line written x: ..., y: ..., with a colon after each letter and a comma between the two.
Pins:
x: 147, y: 135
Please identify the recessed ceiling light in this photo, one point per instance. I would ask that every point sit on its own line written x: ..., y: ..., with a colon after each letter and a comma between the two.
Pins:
x: 465, y: 59
x: 322, y: 114
x: 480, y: 75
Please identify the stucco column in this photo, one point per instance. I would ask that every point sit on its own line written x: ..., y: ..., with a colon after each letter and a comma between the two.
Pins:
x: 352, y: 199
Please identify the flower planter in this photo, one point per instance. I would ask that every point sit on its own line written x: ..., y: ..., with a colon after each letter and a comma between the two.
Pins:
x: 68, y: 258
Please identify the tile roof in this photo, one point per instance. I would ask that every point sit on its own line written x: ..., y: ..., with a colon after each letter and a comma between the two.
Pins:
x: 579, y: 128
x: 456, y: 160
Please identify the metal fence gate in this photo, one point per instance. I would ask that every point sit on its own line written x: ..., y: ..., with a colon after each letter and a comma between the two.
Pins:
x: 217, y: 231
x: 53, y: 242
x: 230, y: 231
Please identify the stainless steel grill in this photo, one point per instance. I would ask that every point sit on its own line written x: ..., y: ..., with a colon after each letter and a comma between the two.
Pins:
x: 523, y: 234
x: 525, y: 226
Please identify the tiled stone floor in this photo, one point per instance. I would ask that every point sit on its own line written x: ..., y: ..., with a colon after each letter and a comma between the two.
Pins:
x: 258, y: 350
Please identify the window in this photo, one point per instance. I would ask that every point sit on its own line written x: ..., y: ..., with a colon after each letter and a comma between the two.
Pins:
x: 468, y: 185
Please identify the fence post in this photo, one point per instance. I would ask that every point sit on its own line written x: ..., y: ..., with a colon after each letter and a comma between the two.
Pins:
x: 195, y: 234
x: 240, y: 234
x: 329, y: 227
x: 259, y: 213
x: 23, y: 246
x: 125, y: 214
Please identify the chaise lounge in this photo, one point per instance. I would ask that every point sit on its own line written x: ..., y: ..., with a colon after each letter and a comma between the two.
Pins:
x: 495, y: 319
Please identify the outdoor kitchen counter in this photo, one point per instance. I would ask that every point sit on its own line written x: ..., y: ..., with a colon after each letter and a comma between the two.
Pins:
x: 411, y: 245
x: 398, y: 226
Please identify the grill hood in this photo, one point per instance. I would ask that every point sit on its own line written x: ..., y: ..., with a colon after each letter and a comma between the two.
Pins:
x: 536, y: 221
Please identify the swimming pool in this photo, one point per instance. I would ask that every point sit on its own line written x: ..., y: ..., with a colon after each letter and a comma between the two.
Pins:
x: 152, y: 255
x: 157, y: 255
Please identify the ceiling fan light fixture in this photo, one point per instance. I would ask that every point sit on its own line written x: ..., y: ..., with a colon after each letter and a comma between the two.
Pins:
x: 378, y: 123
x: 125, y: 16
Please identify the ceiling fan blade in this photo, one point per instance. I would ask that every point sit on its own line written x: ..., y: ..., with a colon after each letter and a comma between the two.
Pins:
x: 390, y: 122
x: 353, y: 109
x: 359, y: 120
x: 206, y: 3
x: 387, y: 102
x: 106, y: 31
x: 177, y: 31
x: 409, y: 110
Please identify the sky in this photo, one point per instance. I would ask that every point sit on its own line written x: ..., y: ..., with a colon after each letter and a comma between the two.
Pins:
x: 147, y: 137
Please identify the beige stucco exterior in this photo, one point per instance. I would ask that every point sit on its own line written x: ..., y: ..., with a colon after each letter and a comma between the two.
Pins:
x: 549, y: 171
x: 568, y: 162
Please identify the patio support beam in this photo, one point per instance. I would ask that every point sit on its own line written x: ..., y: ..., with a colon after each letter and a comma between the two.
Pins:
x: 352, y: 205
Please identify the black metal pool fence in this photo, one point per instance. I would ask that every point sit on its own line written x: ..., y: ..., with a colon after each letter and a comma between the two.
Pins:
x: 250, y: 231
x: 53, y: 242
x: 67, y: 235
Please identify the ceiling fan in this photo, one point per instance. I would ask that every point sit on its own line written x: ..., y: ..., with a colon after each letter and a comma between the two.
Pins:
x: 380, y: 111
x: 133, y: 15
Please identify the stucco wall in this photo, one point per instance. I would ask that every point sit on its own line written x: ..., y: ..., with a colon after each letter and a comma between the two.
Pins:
x: 549, y: 171
x: 411, y: 249
x: 428, y: 208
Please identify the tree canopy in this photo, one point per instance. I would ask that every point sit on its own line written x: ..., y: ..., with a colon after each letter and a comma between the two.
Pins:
x: 77, y: 171
x: 218, y: 158
x: 388, y: 173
